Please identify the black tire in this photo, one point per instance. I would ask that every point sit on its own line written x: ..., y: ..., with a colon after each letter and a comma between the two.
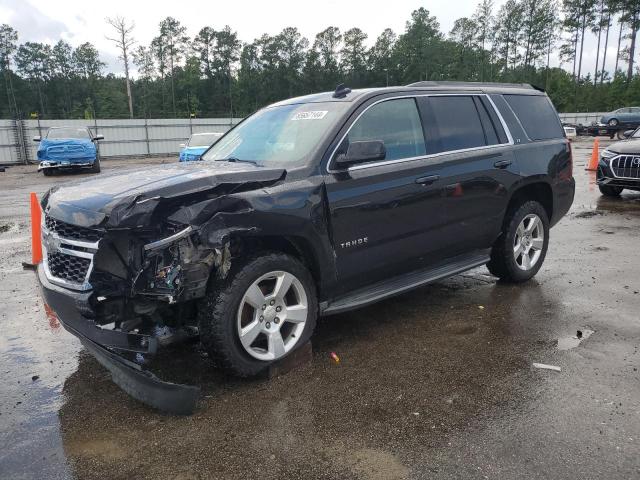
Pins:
x: 613, y: 122
x: 610, y: 191
x: 47, y: 172
x: 95, y: 168
x: 217, y: 312
x: 503, y: 263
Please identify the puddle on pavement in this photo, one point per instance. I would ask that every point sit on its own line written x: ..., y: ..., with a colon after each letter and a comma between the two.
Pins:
x: 567, y: 343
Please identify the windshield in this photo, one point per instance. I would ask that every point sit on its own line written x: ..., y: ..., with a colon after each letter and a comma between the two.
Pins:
x: 283, y: 135
x: 68, y: 132
x: 636, y: 134
x: 203, y: 139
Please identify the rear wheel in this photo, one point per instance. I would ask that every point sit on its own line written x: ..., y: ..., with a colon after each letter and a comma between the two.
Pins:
x: 610, y: 191
x: 262, y: 311
x: 520, y: 250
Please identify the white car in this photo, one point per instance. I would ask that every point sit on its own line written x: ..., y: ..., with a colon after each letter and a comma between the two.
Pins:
x: 198, y: 143
x: 570, y: 132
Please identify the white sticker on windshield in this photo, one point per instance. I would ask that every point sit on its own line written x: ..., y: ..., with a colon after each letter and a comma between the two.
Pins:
x: 314, y: 115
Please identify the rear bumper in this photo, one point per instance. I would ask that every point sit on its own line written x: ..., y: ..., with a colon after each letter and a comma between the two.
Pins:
x: 73, y: 310
x: 564, y: 193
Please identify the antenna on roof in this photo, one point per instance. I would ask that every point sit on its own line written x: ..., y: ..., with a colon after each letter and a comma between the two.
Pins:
x: 341, y: 91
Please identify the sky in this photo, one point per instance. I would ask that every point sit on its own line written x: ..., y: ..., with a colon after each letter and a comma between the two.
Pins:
x: 79, y: 21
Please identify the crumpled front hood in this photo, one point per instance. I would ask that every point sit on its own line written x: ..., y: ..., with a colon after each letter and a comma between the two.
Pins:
x: 631, y: 145
x: 122, y: 195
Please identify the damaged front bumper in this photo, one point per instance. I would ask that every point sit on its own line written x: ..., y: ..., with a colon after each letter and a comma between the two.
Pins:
x: 73, y: 310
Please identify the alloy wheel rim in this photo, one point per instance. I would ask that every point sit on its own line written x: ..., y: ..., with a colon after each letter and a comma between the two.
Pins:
x: 272, y: 315
x: 528, y: 242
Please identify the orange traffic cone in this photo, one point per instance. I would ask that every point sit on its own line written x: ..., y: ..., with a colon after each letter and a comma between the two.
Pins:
x: 595, y: 155
x: 36, y: 234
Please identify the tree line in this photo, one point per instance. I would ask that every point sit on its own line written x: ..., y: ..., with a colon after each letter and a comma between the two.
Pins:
x: 215, y: 74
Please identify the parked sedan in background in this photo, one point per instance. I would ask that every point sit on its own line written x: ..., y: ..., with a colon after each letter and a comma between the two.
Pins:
x: 197, y: 145
x: 619, y: 166
x: 68, y: 148
x: 628, y: 116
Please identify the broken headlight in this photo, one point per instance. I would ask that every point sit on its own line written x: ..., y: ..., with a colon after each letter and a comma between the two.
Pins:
x: 164, y: 263
x: 165, y: 242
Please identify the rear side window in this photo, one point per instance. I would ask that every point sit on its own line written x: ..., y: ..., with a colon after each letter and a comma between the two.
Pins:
x: 396, y: 123
x: 537, y: 116
x: 458, y: 122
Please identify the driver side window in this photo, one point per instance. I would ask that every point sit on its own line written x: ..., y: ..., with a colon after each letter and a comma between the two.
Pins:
x: 396, y: 123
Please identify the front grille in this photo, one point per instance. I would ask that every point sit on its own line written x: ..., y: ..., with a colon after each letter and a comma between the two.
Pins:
x: 68, y: 267
x: 626, y: 166
x: 73, y: 232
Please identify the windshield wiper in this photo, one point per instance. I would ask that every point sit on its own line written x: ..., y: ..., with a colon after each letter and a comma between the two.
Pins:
x: 236, y: 159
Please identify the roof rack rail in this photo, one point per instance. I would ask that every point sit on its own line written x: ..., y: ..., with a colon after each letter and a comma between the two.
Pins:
x: 437, y: 83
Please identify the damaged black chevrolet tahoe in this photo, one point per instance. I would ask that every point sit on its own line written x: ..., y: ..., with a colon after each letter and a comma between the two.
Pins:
x: 311, y: 206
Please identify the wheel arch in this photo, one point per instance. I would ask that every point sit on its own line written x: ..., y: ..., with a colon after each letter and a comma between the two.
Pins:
x: 296, y: 246
x: 539, y: 191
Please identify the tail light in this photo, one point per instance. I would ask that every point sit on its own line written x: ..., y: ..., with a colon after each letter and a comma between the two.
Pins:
x: 566, y: 170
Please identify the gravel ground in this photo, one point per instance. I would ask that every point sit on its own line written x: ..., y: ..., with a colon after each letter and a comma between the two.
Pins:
x: 436, y: 383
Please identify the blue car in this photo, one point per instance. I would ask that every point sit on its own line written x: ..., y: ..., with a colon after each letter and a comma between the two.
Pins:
x: 623, y: 117
x: 197, y: 145
x: 68, y: 148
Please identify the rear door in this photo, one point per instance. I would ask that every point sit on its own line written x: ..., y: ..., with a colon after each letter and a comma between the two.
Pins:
x: 477, y: 168
x: 385, y: 215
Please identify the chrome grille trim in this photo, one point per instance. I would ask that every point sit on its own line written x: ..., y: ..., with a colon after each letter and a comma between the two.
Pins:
x: 625, y: 166
x: 53, y: 243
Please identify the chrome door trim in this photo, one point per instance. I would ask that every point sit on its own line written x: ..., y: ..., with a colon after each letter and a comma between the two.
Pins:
x: 422, y: 157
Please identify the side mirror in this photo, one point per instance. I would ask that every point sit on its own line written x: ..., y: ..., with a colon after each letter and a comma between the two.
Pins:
x: 37, y: 138
x: 99, y: 137
x: 360, y: 152
x: 628, y: 133
x: 182, y: 145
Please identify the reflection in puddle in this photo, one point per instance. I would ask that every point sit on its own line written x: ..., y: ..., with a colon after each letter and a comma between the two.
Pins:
x: 568, y: 343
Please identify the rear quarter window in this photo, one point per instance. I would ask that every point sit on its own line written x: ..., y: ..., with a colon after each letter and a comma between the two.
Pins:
x: 537, y: 116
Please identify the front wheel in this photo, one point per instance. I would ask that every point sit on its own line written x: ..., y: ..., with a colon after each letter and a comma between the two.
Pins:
x: 613, y: 122
x: 264, y: 309
x: 95, y: 168
x: 520, y: 250
x: 610, y: 191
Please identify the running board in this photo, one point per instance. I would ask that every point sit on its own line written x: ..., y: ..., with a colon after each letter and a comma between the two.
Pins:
x: 395, y: 286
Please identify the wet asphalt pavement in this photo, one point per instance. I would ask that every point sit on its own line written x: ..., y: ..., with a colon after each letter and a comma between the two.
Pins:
x: 436, y: 383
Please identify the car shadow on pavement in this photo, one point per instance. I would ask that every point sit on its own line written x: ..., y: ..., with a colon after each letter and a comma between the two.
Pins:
x: 412, y: 370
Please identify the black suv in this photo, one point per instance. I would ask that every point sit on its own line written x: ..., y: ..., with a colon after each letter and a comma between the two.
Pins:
x: 619, y: 166
x: 311, y: 206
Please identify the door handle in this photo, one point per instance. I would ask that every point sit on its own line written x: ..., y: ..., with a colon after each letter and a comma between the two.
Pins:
x: 502, y: 163
x: 428, y: 180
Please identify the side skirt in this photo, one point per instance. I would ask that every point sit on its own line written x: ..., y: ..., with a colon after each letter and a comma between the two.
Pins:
x: 397, y: 285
